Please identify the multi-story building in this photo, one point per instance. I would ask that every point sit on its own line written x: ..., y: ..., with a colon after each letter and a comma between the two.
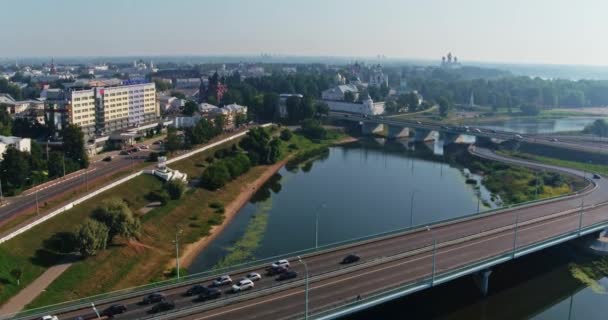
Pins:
x: 21, y: 144
x: 100, y: 109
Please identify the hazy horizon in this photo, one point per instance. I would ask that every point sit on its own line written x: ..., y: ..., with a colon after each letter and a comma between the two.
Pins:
x: 517, y: 32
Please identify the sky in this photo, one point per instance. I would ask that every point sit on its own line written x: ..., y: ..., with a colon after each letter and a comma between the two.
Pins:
x: 513, y: 31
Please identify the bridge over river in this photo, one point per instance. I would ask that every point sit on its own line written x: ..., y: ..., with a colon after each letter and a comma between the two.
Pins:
x: 392, y: 265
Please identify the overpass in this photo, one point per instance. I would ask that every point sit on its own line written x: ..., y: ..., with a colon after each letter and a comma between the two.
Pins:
x: 392, y: 265
x: 398, y: 128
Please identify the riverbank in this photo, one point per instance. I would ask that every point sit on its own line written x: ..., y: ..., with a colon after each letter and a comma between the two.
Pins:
x: 247, y: 191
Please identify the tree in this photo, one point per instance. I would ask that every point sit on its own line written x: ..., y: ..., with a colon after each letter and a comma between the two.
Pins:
x: 530, y: 109
x: 55, y: 164
x: 215, y: 176
x: 190, y: 108
x: 175, y: 189
x: 313, y: 129
x: 444, y: 106
x: 202, y: 132
x: 270, y: 106
x: 91, y: 237
x: 119, y: 219
x: 17, y: 273
x: 6, y: 122
x: 274, y: 154
x: 178, y: 95
x: 14, y: 168
x: 240, y: 119
x: 173, y: 141
x: 162, y: 85
x: 219, y: 123
x: 73, y: 145
x: 599, y: 127
x: 322, y: 108
x: 349, y: 96
x: 286, y: 134
x: 256, y: 144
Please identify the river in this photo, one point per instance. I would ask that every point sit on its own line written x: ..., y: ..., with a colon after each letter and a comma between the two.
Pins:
x: 543, y: 125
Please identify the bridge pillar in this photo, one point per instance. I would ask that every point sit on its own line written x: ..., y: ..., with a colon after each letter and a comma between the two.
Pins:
x: 395, y: 132
x: 424, y: 135
x: 369, y: 128
x: 482, y: 279
x: 449, y: 138
x: 600, y: 245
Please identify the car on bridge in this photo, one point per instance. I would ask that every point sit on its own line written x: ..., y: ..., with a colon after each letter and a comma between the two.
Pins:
x: 163, y: 306
x: 153, y: 298
x: 254, y: 276
x: 271, y: 271
x: 196, y: 289
x: 49, y: 318
x: 244, y: 284
x: 209, y: 294
x: 114, y: 310
x: 351, y: 258
x: 221, y: 281
x: 280, y: 263
x: 519, y: 136
x: 287, y: 275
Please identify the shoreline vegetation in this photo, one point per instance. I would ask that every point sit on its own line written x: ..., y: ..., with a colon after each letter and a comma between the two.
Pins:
x: 145, y: 260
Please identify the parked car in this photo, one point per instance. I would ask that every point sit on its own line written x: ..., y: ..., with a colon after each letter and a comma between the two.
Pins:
x: 477, y: 130
x: 163, y: 306
x: 196, y: 289
x: 113, y: 310
x: 157, y: 142
x: 153, y: 298
x: 518, y: 136
x: 287, y: 275
x: 144, y: 147
x: 223, y: 280
x: 271, y: 271
x: 107, y: 159
x: 351, y: 258
x: 554, y: 140
x: 254, y: 276
x: 124, y: 152
x: 209, y: 293
x: 418, y: 122
x: 49, y: 318
x: 596, y: 176
x: 280, y: 263
x: 244, y: 284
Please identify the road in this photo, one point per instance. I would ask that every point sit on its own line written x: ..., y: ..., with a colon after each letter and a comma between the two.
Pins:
x: 387, y: 262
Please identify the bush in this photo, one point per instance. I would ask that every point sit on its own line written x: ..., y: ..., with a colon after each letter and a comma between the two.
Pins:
x: 313, y: 130
x: 91, y: 236
x: 175, y: 189
x: 153, y: 157
x: 215, y: 205
x: 286, y: 135
x: 216, y: 219
x: 215, y: 177
x: 161, y: 196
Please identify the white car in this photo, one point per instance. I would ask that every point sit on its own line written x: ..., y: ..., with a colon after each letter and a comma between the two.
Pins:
x: 477, y: 130
x: 518, y: 136
x: 244, y: 284
x: 49, y: 318
x: 281, y: 263
x: 223, y: 280
x: 254, y: 276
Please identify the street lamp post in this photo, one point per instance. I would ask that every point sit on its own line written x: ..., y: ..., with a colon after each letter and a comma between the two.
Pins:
x: 307, y: 278
x: 580, y: 219
x: 1, y: 196
x: 412, y: 207
x: 179, y: 231
x: 434, y: 254
x: 63, y: 161
x: 515, y: 232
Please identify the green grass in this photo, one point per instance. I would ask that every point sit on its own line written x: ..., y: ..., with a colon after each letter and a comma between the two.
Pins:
x: 597, y: 168
x: 28, y: 250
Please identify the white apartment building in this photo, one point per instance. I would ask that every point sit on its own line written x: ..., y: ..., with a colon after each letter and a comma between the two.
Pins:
x: 21, y: 144
x: 81, y: 110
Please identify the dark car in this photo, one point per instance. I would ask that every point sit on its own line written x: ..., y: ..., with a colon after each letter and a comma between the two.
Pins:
x: 153, y: 298
x: 107, y: 159
x: 209, y: 293
x: 273, y: 271
x: 114, y: 309
x: 596, y: 176
x: 196, y: 289
x: 351, y: 258
x: 287, y: 275
x: 124, y: 152
x: 163, y: 306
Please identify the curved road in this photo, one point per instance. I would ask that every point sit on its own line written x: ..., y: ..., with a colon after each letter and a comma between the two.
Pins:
x: 387, y: 262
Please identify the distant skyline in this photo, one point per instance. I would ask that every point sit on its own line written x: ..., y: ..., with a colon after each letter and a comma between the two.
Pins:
x: 516, y: 31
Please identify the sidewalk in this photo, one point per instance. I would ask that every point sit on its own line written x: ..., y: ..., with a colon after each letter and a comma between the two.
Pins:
x: 33, y: 290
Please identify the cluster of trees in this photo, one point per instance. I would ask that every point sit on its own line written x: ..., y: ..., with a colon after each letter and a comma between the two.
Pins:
x: 312, y: 129
x: 107, y: 222
x: 599, y: 128
x: 261, y: 148
x: 224, y: 170
x: 509, y: 92
x: 20, y: 169
x: 299, y: 109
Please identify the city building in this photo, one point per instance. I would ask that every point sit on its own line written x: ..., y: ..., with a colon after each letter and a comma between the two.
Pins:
x: 21, y: 144
x: 365, y: 107
x: 450, y: 61
x: 337, y: 93
x: 377, y: 77
x: 283, y: 103
x: 100, y: 108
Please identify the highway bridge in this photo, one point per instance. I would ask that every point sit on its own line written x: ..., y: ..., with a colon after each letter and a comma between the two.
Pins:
x: 398, y: 128
x: 392, y: 265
